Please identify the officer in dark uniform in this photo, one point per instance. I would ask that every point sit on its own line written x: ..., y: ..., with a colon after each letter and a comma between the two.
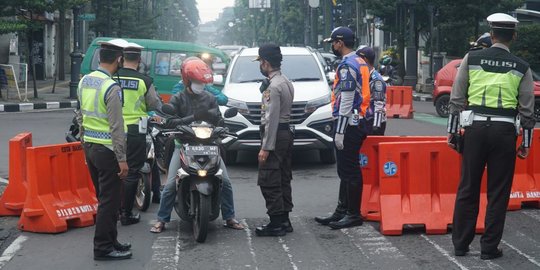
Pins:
x: 275, y: 172
x: 139, y: 97
x: 104, y: 141
x: 376, y: 113
x: 350, y: 101
x: 492, y: 95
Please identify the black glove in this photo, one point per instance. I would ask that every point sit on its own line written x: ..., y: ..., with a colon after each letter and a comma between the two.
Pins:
x: 172, y: 123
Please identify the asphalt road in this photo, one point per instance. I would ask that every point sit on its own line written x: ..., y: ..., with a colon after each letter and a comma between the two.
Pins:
x: 310, y: 246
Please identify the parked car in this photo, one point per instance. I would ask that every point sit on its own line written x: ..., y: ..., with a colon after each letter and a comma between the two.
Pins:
x: 443, y: 86
x: 311, y: 110
x: 231, y: 50
x: 161, y: 60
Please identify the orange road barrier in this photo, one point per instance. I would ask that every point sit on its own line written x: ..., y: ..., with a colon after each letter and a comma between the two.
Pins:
x: 369, y: 161
x: 12, y: 201
x: 60, y: 193
x: 418, y: 185
x: 399, y: 102
x: 526, y: 183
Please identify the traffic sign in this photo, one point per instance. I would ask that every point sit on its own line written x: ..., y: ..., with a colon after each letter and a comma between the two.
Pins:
x: 87, y: 17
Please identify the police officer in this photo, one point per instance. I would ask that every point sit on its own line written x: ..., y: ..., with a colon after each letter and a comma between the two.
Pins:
x: 493, y: 90
x: 139, y: 97
x: 104, y: 140
x: 350, y: 102
x: 275, y: 172
x: 376, y: 113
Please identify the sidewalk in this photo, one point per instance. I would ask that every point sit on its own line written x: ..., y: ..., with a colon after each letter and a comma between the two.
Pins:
x: 45, y: 100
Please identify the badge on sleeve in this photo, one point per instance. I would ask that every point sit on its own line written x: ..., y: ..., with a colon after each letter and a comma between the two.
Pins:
x: 343, y: 72
x: 378, y: 86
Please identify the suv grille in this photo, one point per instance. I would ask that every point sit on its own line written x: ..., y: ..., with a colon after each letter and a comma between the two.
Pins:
x: 298, y: 113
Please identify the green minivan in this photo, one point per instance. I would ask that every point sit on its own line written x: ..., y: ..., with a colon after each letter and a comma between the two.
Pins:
x: 162, y: 59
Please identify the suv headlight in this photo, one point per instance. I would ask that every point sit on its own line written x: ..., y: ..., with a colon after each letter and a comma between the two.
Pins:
x: 313, y: 105
x: 240, y: 105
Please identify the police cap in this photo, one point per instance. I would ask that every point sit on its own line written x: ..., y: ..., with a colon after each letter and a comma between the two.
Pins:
x: 133, y: 48
x: 502, y: 21
x: 368, y: 53
x: 116, y: 44
x: 269, y: 52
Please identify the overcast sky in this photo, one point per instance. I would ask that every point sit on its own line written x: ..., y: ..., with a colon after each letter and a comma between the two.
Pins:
x: 210, y: 9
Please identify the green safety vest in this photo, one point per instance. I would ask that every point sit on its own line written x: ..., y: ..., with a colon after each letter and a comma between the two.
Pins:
x: 494, y: 78
x: 91, y: 91
x: 134, y: 91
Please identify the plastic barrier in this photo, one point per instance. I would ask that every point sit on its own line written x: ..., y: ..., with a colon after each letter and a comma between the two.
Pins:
x: 60, y: 193
x: 399, y: 102
x: 418, y: 185
x: 526, y: 183
x: 12, y: 201
x: 369, y: 157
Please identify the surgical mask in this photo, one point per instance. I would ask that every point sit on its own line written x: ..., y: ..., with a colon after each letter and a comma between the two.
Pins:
x: 197, y: 88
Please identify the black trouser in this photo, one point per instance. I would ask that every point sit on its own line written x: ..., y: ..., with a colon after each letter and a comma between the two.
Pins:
x: 348, y: 169
x: 103, y: 167
x: 379, y: 132
x: 275, y: 175
x: 494, y: 144
x: 136, y: 155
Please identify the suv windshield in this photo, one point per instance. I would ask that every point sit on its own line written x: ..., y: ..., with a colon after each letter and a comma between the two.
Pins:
x: 295, y: 67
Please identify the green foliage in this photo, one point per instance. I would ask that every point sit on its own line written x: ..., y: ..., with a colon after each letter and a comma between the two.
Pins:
x: 527, y: 45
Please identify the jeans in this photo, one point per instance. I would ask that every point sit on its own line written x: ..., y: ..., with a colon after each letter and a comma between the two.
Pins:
x: 168, y: 195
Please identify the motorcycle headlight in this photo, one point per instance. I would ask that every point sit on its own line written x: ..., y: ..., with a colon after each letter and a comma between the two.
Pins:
x: 202, y: 132
x: 240, y: 105
x: 313, y: 105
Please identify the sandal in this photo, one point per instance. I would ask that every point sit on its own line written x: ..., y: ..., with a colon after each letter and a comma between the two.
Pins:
x: 233, y: 224
x: 158, y: 227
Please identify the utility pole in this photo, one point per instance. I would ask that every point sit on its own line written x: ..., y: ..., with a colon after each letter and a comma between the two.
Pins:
x: 411, y: 59
x: 76, y: 55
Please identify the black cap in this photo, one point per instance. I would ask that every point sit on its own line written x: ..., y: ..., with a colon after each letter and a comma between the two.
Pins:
x: 368, y: 53
x: 269, y: 52
x: 343, y: 33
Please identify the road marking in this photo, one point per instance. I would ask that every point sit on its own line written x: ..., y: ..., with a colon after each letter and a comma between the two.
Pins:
x: 531, y: 259
x: 5, y: 181
x: 11, y: 250
x: 430, y: 119
x: 250, y: 243
x: 286, y: 248
x: 166, y: 251
x: 444, y: 252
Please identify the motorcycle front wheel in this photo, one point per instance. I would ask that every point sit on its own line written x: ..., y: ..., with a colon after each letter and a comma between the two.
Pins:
x: 202, y: 213
x: 144, y: 191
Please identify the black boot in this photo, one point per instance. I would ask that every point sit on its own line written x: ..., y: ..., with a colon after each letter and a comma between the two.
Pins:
x: 353, y: 218
x: 127, y: 217
x: 341, y: 208
x: 287, y: 226
x: 274, y: 228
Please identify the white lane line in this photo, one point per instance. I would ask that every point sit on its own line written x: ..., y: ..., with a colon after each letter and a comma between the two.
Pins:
x: 286, y: 248
x: 177, y: 248
x: 531, y: 259
x: 5, y: 181
x: 444, y: 252
x: 11, y: 250
x: 250, y: 244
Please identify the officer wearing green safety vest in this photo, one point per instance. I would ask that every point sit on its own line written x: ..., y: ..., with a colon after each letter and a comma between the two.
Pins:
x: 492, y: 98
x: 104, y: 141
x: 140, y: 96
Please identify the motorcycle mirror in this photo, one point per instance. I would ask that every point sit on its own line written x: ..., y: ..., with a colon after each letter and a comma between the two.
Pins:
x: 230, y: 112
x: 168, y: 109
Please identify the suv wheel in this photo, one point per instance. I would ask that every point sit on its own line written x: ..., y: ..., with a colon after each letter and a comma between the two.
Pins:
x: 328, y: 156
x: 441, y: 105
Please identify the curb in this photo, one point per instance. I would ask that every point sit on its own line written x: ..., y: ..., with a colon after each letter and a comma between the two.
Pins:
x: 20, y: 107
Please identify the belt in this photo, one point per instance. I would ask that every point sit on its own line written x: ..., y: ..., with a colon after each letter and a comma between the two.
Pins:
x: 494, y: 118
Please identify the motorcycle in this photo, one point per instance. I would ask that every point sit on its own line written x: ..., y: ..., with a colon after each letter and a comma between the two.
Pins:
x: 144, y: 186
x: 199, y: 179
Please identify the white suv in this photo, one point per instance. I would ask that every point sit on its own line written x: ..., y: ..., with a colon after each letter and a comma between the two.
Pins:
x: 311, y: 111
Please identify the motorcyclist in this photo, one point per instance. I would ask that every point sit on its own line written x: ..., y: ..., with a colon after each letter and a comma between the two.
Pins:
x: 195, y: 75
x: 484, y: 41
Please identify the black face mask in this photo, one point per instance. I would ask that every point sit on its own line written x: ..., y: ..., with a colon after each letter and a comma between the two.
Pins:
x: 336, y: 53
x: 263, y: 72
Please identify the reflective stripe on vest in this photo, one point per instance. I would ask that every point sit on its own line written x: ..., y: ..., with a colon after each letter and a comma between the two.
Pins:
x: 92, y: 89
x: 133, y: 90
x: 362, y: 82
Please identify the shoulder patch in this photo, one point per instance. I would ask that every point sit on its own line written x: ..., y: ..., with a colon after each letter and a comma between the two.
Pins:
x: 378, y: 85
x: 343, y: 72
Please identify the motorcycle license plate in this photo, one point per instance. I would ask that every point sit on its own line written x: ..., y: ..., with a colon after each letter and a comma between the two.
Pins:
x: 202, y: 150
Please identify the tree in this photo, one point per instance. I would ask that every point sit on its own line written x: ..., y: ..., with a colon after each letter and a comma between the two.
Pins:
x: 527, y: 45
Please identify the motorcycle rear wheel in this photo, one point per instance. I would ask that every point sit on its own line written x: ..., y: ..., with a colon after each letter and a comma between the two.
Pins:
x: 144, y: 191
x: 202, y: 213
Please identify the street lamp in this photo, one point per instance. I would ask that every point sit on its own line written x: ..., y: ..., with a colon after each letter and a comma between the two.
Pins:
x: 76, y: 55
